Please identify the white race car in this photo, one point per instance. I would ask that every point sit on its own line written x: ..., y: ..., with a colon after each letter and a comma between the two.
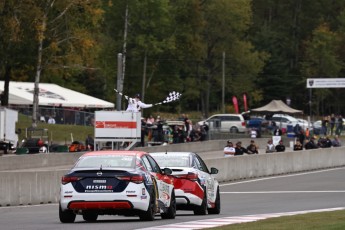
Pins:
x: 126, y: 183
x: 195, y: 187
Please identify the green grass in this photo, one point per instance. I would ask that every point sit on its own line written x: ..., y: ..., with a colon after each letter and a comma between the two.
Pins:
x: 334, y: 220
x: 58, y: 134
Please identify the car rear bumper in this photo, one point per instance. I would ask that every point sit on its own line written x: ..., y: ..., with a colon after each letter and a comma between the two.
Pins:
x: 134, y: 197
x: 183, y: 198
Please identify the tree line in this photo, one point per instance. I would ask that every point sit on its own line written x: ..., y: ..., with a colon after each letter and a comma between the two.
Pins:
x: 265, y: 49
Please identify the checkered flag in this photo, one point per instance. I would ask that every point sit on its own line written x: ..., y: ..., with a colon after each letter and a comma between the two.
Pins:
x: 173, y: 96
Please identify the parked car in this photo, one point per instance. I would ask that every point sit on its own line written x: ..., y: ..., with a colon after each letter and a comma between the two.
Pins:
x: 128, y: 183
x: 195, y: 187
x: 233, y: 123
x: 283, y: 120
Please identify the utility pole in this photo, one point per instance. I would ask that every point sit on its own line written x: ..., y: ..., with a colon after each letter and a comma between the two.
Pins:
x: 119, y: 85
x: 124, y: 47
x: 144, y: 78
x: 223, y: 83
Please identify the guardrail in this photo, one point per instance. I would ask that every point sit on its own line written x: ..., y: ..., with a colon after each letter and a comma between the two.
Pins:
x: 37, y: 186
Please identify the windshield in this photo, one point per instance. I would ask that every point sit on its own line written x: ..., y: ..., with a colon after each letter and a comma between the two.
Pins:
x: 120, y: 161
x: 172, y: 161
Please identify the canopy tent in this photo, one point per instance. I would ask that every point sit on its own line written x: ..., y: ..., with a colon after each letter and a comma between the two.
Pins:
x: 21, y: 93
x: 276, y: 106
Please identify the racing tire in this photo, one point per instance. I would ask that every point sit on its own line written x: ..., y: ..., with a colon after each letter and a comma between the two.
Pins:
x: 67, y: 216
x: 216, y: 209
x: 149, y: 215
x: 171, y: 212
x: 202, y: 209
x: 90, y: 216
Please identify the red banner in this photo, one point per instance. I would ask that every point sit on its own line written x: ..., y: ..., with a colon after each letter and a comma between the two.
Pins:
x: 235, y: 102
x: 245, y: 102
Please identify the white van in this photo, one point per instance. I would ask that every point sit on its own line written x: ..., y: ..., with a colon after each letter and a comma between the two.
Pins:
x: 233, y: 123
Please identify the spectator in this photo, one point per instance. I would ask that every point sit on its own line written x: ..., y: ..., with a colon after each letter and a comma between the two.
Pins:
x: 298, y: 146
x: 252, y: 148
x: 325, y: 142
x: 186, y: 123
x: 300, y: 136
x: 307, y: 133
x: 189, y: 133
x: 270, y: 148
x: 336, y: 142
x: 160, y: 135
x: 311, y: 144
x: 205, y: 128
x: 143, y: 132
x: 150, y: 120
x: 253, y: 133
x: 332, y: 123
x: 297, y: 130
x: 229, y: 150
x: 51, y: 120
x: 280, y: 147
x: 339, y: 125
x: 239, y: 150
x: 277, y: 132
x: 324, y: 124
x: 89, y: 142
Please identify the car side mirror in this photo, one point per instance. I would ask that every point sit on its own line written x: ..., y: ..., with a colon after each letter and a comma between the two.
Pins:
x: 214, y: 171
x: 167, y: 171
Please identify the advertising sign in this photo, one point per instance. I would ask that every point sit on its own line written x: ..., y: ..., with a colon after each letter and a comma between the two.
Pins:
x: 326, y: 83
x: 117, y: 124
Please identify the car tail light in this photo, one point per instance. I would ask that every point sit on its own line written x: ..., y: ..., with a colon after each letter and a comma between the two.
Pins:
x: 189, y: 176
x: 68, y: 179
x: 133, y: 178
x: 243, y: 123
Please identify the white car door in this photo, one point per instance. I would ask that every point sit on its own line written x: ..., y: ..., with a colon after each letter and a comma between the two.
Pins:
x: 206, y: 180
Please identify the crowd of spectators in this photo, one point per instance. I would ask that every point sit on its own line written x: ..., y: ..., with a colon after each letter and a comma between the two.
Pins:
x: 159, y: 130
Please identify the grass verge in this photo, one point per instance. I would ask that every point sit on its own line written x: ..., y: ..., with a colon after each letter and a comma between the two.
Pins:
x: 334, y: 220
x: 58, y: 134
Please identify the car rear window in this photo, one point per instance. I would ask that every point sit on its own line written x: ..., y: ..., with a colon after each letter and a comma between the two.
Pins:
x: 172, y: 161
x: 120, y: 161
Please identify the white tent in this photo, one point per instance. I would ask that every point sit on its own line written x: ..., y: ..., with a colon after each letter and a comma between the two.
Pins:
x: 276, y: 106
x: 21, y: 93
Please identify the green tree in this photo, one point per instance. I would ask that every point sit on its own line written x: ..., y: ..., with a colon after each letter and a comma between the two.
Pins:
x: 216, y: 27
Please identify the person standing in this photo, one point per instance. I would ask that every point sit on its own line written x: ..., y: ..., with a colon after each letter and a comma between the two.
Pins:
x: 135, y: 105
x: 90, y: 142
x: 339, y: 127
x: 143, y: 132
x: 324, y: 124
x: 332, y: 123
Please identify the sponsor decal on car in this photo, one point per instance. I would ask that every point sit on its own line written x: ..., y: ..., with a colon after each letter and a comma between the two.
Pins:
x: 143, y: 197
x: 99, y: 187
x: 130, y: 191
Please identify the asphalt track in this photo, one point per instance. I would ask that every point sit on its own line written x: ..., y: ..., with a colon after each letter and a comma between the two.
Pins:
x: 324, y: 189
